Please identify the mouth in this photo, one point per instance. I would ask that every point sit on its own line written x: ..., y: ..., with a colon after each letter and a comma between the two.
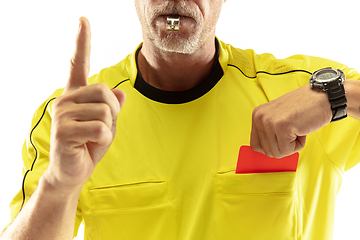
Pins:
x: 174, y: 19
x: 173, y: 16
x: 180, y: 10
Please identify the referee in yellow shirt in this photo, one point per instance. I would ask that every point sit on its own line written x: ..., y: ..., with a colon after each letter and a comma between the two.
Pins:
x: 162, y: 165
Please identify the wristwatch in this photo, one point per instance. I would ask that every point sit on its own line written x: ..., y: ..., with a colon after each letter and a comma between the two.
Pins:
x: 331, y: 81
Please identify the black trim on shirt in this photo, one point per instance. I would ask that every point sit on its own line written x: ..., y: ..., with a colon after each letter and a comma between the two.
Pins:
x: 121, y: 83
x: 177, y: 97
x: 32, y: 131
x: 36, y: 152
x: 258, y: 72
x: 23, y: 190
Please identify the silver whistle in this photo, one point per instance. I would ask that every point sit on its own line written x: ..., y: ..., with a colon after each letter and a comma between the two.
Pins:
x: 173, y: 24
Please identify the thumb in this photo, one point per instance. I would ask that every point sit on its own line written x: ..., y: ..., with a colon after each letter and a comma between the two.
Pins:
x: 299, y: 143
x: 80, y: 62
x: 121, y: 96
x: 255, y: 143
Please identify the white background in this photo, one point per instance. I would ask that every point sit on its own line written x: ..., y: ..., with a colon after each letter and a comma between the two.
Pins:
x: 37, y: 41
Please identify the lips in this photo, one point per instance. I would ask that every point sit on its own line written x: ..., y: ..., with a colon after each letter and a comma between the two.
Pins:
x: 174, y: 16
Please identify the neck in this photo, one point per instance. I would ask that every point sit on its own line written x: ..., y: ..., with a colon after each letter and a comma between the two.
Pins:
x: 175, y: 71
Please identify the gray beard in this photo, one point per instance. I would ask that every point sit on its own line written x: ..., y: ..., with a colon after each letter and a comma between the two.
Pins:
x: 174, y: 44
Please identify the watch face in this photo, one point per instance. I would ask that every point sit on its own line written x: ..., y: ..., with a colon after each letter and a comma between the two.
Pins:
x: 326, y: 75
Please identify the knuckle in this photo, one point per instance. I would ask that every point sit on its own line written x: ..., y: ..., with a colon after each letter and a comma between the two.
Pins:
x: 255, y: 112
x: 268, y: 122
x: 76, y: 61
x: 56, y: 102
x: 104, y: 112
x: 258, y: 114
x: 61, y: 114
x: 100, y: 88
x: 78, y: 74
x: 72, y: 66
x: 117, y: 108
x: 72, y: 63
x: 59, y: 101
x: 99, y: 129
x: 63, y: 100
x: 62, y: 131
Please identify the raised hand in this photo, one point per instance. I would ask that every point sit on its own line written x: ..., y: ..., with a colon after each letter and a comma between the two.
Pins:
x: 84, y: 121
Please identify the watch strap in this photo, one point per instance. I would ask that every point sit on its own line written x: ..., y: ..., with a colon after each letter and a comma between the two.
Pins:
x: 336, y: 93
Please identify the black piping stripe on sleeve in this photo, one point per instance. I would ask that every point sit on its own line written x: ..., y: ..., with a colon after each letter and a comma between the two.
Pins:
x: 31, y: 133
x: 23, y: 190
x: 258, y: 72
x: 36, y: 152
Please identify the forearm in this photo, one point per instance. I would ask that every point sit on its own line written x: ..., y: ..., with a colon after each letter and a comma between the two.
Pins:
x: 47, y: 215
x: 352, y: 89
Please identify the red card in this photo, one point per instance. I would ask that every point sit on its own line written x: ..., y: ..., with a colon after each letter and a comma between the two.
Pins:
x: 250, y: 161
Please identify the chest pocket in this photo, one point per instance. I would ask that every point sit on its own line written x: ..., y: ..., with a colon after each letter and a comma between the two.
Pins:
x: 133, y: 211
x: 257, y: 206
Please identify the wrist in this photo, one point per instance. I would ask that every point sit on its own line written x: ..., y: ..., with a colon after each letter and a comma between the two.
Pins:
x: 321, y: 101
x: 331, y: 81
x: 49, y: 184
x: 352, y: 89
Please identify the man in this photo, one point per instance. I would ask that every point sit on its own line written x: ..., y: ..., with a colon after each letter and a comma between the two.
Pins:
x: 168, y: 172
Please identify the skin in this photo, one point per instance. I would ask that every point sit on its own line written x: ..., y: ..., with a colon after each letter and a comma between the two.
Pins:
x: 84, y: 116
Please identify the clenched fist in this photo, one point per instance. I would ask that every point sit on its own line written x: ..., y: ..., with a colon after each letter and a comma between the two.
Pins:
x: 83, y: 121
x: 279, y: 127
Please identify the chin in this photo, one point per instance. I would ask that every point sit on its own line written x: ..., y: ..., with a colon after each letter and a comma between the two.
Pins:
x: 184, y: 46
x: 177, y: 43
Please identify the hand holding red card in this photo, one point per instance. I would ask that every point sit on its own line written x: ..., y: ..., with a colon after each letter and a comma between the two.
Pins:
x: 250, y: 161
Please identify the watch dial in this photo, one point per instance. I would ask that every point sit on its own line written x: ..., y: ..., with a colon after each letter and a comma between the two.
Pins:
x: 326, y: 75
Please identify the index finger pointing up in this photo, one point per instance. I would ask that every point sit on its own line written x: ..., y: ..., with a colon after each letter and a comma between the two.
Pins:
x: 80, y: 62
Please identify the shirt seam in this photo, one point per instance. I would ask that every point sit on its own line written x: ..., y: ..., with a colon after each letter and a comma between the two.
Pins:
x: 326, y: 154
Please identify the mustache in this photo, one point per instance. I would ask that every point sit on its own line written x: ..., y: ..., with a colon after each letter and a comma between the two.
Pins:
x: 171, y: 8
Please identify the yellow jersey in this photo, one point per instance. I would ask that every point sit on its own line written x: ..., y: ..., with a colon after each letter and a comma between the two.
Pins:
x: 170, y: 171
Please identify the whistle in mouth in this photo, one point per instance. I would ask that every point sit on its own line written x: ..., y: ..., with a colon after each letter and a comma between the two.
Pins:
x: 173, y: 24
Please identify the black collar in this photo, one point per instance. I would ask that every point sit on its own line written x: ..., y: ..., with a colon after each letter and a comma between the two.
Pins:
x: 177, y: 97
